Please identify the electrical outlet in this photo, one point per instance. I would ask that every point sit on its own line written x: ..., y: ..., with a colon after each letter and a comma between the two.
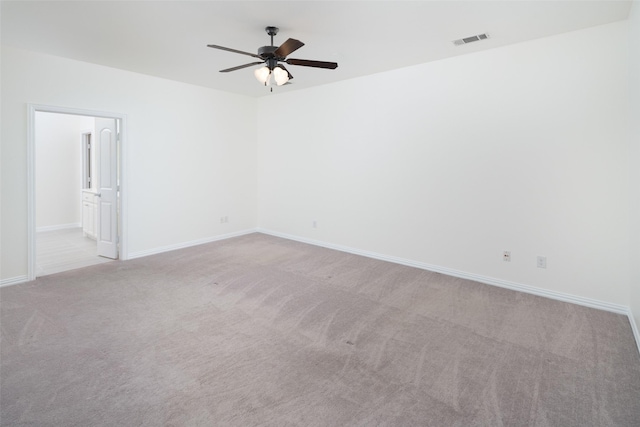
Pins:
x: 506, y: 256
x: 542, y: 261
x: 224, y: 219
x: 314, y: 224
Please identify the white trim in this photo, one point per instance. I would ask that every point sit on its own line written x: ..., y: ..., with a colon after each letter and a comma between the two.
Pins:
x: 13, y: 281
x: 183, y: 245
x: 31, y: 169
x: 58, y: 227
x: 31, y: 192
x: 634, y: 328
x: 124, y: 193
x: 560, y: 296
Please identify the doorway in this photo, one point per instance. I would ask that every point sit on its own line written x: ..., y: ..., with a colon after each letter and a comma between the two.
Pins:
x: 75, y: 189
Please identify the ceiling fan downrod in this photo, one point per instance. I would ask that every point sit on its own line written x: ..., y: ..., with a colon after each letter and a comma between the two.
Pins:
x: 272, y: 31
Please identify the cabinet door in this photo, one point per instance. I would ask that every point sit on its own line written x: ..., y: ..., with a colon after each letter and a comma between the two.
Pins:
x: 93, y: 219
x: 87, y: 219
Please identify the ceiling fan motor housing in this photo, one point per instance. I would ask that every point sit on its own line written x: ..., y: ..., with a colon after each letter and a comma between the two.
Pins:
x: 267, y: 51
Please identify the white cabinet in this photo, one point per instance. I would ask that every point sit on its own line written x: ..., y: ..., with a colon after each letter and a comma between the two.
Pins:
x: 89, y: 214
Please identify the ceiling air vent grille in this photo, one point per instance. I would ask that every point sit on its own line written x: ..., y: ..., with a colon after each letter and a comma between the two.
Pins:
x: 471, y: 39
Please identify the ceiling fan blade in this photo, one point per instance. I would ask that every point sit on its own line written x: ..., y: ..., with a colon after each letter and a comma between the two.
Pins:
x: 234, y: 50
x: 240, y: 67
x: 286, y: 48
x: 316, y: 64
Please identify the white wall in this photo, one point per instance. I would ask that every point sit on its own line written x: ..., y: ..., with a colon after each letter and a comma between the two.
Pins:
x: 191, y: 151
x: 59, y: 168
x: 522, y: 148
x: 634, y: 79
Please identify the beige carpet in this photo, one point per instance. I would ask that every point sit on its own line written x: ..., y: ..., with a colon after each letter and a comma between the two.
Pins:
x: 261, y: 331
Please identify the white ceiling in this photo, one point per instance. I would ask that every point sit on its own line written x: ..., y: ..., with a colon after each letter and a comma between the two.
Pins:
x: 168, y: 38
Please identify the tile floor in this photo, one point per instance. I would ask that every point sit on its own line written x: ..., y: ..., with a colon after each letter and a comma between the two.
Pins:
x: 63, y: 250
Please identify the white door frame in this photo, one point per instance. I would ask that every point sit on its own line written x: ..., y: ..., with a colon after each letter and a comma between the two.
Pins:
x: 31, y: 175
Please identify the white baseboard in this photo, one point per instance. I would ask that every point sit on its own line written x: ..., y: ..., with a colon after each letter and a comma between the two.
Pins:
x: 58, y: 227
x: 13, y: 281
x: 183, y: 245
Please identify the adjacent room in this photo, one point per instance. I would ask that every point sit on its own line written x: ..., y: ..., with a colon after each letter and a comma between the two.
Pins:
x: 67, y: 172
x: 378, y: 213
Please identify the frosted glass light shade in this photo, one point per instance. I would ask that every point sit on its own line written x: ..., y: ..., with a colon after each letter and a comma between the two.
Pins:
x: 280, y: 75
x: 263, y: 75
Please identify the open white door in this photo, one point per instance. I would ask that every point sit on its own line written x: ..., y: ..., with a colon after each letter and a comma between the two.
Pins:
x: 107, y: 185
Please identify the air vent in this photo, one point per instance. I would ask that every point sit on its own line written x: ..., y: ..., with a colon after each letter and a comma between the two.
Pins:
x: 471, y: 39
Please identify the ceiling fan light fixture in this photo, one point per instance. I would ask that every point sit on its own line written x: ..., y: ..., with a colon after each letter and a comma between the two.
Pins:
x: 263, y: 74
x: 280, y: 75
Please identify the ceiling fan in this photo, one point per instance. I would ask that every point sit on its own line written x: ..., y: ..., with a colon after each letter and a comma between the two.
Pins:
x: 271, y: 56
